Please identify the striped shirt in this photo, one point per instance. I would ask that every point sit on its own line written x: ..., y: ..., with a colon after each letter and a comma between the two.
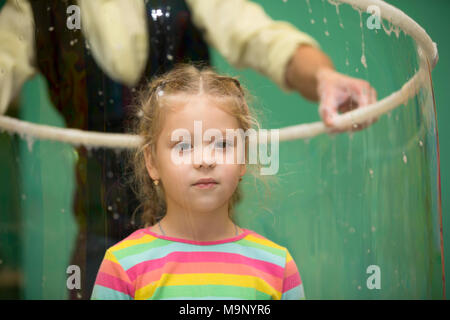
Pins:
x: 146, y: 265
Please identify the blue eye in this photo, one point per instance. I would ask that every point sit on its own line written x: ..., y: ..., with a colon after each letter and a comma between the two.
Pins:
x: 183, y: 146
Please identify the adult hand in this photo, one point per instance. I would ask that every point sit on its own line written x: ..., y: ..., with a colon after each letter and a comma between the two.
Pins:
x: 339, y: 93
x: 311, y: 72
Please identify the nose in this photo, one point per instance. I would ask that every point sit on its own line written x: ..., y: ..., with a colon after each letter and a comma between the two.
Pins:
x: 204, y: 158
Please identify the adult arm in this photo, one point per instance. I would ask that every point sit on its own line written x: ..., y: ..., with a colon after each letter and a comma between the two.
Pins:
x: 248, y: 38
x: 16, y: 49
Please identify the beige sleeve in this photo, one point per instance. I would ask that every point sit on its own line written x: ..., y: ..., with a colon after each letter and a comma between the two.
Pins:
x: 247, y: 37
x: 117, y: 33
x: 16, y: 49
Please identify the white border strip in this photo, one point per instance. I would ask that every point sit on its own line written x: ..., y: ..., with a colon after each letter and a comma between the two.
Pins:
x: 303, y: 131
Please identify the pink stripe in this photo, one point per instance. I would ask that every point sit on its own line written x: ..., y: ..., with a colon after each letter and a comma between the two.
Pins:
x: 112, y: 268
x: 185, y: 257
x: 203, y: 243
x: 207, y: 267
x: 114, y: 283
x: 291, y: 282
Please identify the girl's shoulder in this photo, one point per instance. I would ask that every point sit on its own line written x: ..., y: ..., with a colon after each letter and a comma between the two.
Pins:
x: 249, y: 238
x: 263, y: 240
x: 137, y: 237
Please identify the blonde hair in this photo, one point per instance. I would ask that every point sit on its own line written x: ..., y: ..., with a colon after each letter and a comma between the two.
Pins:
x: 148, y: 118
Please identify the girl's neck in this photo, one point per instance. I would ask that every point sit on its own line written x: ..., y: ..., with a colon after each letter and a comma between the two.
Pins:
x: 198, y: 226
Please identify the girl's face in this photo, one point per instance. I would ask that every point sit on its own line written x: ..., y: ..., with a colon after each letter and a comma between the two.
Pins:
x: 182, y: 182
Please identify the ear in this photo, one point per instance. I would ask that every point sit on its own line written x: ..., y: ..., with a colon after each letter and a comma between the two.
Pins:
x: 150, y: 164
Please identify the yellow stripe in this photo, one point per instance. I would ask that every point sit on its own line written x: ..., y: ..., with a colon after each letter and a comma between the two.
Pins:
x: 147, y: 291
x: 264, y: 242
x: 128, y: 243
x: 110, y: 256
x: 288, y: 256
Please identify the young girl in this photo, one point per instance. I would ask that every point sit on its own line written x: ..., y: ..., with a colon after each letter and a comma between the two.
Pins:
x: 190, y: 248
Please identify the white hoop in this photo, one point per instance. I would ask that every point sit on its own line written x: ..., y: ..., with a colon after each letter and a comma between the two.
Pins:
x: 427, y: 51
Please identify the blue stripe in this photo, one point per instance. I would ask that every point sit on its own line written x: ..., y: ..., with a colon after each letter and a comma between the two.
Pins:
x: 103, y: 293
x: 295, y: 293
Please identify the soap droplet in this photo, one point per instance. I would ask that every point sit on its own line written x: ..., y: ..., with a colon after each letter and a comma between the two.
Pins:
x: 421, y: 143
x: 109, y: 208
x: 312, y: 21
x: 364, y: 61
x: 62, y: 210
x: 115, y: 216
x: 373, y: 228
x: 30, y: 142
x: 51, y: 29
x: 371, y: 173
x: 169, y: 57
x: 405, y: 159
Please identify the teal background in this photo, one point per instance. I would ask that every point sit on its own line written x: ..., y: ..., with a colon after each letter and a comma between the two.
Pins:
x: 339, y: 203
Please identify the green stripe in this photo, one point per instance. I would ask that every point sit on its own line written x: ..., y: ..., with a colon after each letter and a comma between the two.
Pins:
x: 140, y: 248
x: 198, y: 291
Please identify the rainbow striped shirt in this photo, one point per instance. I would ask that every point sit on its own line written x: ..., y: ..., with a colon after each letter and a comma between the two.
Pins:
x: 146, y: 265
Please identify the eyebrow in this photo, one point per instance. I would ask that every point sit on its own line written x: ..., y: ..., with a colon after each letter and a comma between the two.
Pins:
x: 180, y: 138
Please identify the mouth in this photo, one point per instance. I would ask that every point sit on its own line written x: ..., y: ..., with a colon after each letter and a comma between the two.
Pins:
x: 207, y: 183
